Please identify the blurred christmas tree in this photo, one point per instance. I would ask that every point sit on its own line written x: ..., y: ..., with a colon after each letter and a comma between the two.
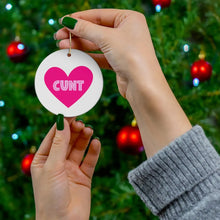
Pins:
x: 180, y: 32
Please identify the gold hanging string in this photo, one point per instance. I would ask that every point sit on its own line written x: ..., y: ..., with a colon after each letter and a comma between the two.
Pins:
x: 70, y: 39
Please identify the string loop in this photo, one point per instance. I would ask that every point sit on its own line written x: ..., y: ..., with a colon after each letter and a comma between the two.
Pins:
x: 70, y: 39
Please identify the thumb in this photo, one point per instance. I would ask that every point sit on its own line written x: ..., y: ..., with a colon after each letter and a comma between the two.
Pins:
x: 60, y: 142
x: 87, y: 30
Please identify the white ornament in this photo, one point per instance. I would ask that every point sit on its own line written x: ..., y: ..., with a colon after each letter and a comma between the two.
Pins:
x: 68, y: 85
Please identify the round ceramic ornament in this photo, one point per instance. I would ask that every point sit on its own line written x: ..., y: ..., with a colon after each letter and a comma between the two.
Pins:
x: 68, y: 83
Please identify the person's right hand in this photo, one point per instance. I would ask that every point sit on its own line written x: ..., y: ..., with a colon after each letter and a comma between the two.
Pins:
x: 122, y: 36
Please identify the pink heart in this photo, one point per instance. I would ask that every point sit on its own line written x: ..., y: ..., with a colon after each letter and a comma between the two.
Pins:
x: 68, y: 89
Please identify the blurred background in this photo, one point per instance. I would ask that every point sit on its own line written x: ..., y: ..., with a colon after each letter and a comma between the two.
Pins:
x: 186, y: 36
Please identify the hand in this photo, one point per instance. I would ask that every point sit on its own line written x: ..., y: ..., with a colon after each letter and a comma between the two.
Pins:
x: 122, y: 36
x: 125, y: 41
x: 61, y: 178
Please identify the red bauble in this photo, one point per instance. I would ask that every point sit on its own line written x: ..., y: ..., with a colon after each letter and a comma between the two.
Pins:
x: 17, y: 51
x: 201, y: 70
x: 26, y: 164
x: 129, y: 140
x: 162, y: 3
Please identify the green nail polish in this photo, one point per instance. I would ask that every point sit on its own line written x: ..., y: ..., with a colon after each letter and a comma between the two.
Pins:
x: 97, y: 138
x: 60, y: 123
x: 89, y: 126
x: 54, y: 36
x: 69, y: 22
x: 78, y: 119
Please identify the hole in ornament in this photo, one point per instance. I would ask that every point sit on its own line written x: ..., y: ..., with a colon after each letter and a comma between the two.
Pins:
x: 69, y: 54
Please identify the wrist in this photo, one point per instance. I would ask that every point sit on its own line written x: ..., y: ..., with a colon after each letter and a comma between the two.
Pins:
x: 147, y: 82
x: 159, y: 116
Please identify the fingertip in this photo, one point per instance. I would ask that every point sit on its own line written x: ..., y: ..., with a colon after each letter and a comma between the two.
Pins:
x: 60, y: 20
x: 96, y: 145
x: 63, y: 44
x: 80, y: 123
x: 88, y: 131
x: 89, y: 126
x: 79, y: 119
x: 58, y: 43
x: 62, y: 126
x: 77, y: 126
x: 68, y: 22
x: 60, y: 122
x: 54, y: 36
x: 62, y: 33
x: 91, y: 158
x: 97, y: 138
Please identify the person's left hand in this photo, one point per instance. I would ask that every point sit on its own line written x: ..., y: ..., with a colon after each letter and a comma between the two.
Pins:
x: 61, y: 178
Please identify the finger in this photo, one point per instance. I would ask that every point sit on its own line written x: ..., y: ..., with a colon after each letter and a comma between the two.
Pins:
x: 45, y: 146
x: 78, y: 150
x: 105, y: 17
x: 78, y: 43
x: 76, y: 127
x: 94, y: 24
x: 87, y: 46
x: 100, y: 17
x: 101, y: 60
x: 87, y: 30
x: 60, y: 145
x: 91, y: 158
x: 62, y: 33
x: 42, y: 153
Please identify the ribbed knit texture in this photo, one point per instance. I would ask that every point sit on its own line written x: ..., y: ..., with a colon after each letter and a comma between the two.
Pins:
x: 182, y: 181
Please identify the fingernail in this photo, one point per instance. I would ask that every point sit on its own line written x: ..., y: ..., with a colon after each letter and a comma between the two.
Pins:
x: 60, y: 20
x: 97, y: 138
x: 78, y: 119
x: 57, y: 43
x: 89, y: 126
x: 60, y: 123
x: 54, y: 36
x: 69, y: 22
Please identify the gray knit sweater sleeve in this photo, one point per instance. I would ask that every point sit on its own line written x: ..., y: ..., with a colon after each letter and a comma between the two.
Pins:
x: 182, y: 181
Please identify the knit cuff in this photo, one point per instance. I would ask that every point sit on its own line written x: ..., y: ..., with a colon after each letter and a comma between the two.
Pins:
x: 175, y: 170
